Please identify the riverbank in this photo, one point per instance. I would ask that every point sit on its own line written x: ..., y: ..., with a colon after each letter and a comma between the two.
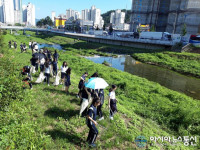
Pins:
x: 184, y: 63
x: 47, y: 118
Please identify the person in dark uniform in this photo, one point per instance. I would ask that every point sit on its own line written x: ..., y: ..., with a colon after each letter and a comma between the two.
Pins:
x: 21, y: 47
x: 15, y: 45
x: 67, y: 80
x: 95, y: 75
x: 55, y: 67
x: 9, y: 44
x: 91, y: 122
x: 112, y: 102
x: 101, y: 97
x: 81, y: 83
x: 26, y: 72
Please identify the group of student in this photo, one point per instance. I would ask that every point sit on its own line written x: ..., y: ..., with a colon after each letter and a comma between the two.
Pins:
x: 95, y: 97
x: 14, y: 44
x: 91, y: 100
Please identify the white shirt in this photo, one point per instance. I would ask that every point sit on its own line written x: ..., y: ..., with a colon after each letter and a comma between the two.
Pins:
x: 47, y: 70
x: 112, y: 95
x: 30, y: 43
x: 64, y: 69
x: 36, y: 46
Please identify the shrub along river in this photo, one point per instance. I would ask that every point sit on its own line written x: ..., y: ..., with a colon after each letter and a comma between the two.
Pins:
x: 170, y: 79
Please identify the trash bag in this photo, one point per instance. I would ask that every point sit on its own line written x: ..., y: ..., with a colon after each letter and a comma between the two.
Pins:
x: 41, y: 78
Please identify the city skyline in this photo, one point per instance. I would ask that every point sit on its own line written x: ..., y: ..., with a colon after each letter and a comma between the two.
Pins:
x: 44, y: 9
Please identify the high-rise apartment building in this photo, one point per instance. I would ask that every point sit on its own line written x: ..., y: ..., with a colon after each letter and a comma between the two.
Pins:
x: 7, y: 11
x: 167, y: 15
x: 18, y: 11
x: 30, y: 14
x: 94, y: 14
x: 53, y: 15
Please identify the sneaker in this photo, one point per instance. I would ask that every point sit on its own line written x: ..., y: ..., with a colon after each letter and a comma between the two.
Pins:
x: 111, y: 118
x: 92, y: 145
x: 48, y: 84
x: 77, y: 96
x: 102, y: 118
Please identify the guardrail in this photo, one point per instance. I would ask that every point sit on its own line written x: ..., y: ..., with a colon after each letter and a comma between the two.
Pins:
x: 115, y: 38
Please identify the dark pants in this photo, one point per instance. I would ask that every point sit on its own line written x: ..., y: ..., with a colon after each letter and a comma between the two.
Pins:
x: 47, y: 77
x: 55, y: 71
x: 113, y: 107
x: 36, y: 66
x: 99, y: 111
x: 92, y: 134
x: 41, y: 68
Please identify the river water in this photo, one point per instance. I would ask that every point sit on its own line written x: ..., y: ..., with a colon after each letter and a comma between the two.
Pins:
x: 165, y: 77
x: 56, y: 46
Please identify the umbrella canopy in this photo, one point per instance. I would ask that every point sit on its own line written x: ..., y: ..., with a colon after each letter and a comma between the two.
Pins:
x: 96, y: 83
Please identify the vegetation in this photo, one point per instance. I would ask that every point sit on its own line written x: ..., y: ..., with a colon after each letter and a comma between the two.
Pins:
x: 44, y: 22
x: 185, y: 63
x: 184, y: 30
x: 47, y: 118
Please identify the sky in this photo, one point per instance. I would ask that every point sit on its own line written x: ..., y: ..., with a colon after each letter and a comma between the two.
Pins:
x: 44, y: 8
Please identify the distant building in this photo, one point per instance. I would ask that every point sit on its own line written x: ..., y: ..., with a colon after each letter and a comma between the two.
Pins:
x: 86, y: 15
x: 94, y: 14
x: 96, y: 17
x: 117, y: 19
x: 53, y: 15
x: 30, y: 14
x: 18, y: 18
x: 7, y: 12
x: 60, y: 22
x: 24, y: 13
x: 72, y: 13
x: 167, y: 15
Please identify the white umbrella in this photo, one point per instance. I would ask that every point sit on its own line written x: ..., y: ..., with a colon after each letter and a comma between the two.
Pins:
x: 96, y: 83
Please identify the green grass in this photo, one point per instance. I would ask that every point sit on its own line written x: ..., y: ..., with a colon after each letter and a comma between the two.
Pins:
x: 185, y: 63
x: 47, y: 118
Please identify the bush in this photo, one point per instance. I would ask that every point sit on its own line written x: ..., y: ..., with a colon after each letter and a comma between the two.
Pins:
x: 10, y: 83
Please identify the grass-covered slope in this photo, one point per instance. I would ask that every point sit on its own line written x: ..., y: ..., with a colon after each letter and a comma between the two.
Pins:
x: 185, y: 63
x: 47, y: 118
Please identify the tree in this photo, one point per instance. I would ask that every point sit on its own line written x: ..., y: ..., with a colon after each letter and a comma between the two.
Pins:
x: 104, y: 27
x: 184, y: 30
x: 18, y: 24
x: 45, y: 21
x: 110, y: 29
x: 152, y: 28
x: 139, y: 30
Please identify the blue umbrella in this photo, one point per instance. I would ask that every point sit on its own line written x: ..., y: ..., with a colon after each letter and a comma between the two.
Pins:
x: 96, y: 83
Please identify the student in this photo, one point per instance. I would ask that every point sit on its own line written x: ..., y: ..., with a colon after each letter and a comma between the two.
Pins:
x: 64, y: 68
x: 91, y: 122
x: 15, y: 45
x: 21, y: 47
x: 24, y: 47
x: 49, y: 55
x: 55, y: 67
x: 67, y: 80
x: 55, y: 55
x: 95, y: 75
x: 81, y: 83
x: 84, y: 95
x: 47, y: 72
x: 9, y: 44
x: 26, y: 72
x: 112, y: 102
x: 101, y: 97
